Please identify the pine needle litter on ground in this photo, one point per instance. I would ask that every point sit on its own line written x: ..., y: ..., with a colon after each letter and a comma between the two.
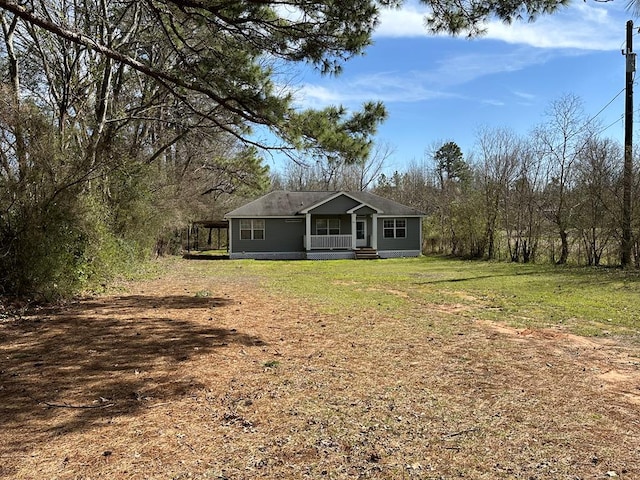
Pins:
x: 194, y: 376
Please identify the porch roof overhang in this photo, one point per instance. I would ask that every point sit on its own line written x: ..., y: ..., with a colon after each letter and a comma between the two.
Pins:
x: 333, y: 197
x: 364, y: 205
x: 263, y: 216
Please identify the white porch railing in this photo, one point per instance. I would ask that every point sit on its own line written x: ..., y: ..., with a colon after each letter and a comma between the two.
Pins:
x: 329, y: 242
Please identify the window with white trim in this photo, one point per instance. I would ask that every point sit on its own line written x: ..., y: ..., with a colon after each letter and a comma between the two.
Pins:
x: 252, y: 229
x: 394, y: 228
x: 328, y: 226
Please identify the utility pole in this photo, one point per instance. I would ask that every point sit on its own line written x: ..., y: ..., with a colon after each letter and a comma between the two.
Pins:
x: 627, y: 176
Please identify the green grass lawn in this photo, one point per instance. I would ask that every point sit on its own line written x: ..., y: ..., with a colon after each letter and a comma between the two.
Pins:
x: 587, y: 301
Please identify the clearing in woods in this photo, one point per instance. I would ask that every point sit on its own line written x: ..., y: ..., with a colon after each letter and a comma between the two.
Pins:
x: 242, y: 369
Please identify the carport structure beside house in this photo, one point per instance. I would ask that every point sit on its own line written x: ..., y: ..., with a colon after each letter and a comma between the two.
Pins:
x: 324, y: 225
x: 195, y: 240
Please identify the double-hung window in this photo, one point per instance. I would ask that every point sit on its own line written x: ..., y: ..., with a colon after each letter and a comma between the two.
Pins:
x: 394, y: 228
x: 328, y: 226
x: 252, y: 229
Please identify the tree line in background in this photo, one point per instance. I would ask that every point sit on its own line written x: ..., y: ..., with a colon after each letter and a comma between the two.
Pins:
x: 553, y: 195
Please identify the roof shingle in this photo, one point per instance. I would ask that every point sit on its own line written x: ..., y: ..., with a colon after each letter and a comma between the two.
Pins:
x: 281, y: 203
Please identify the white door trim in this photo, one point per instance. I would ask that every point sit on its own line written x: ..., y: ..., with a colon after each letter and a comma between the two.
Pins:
x: 361, y: 242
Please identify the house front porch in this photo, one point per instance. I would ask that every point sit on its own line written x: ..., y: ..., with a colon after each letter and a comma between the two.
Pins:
x: 330, y: 247
x: 330, y: 242
x: 345, y: 232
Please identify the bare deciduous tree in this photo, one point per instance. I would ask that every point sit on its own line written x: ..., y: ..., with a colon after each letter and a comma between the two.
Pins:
x: 598, y: 196
x: 498, y: 153
x: 559, y: 142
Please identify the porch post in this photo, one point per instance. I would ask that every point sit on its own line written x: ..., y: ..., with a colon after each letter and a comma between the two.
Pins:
x: 354, y: 235
x: 307, y: 237
x: 374, y: 231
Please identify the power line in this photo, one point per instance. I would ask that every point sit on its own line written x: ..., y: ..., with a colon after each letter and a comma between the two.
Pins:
x: 591, y: 119
x: 605, y: 107
x: 620, y: 118
x: 586, y: 124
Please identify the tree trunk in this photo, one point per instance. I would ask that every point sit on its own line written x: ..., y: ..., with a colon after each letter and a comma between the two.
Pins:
x: 564, y: 249
x: 490, y: 243
x: 8, y: 30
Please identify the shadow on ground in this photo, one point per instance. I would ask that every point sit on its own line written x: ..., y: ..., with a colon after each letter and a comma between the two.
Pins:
x: 204, y: 256
x: 67, y: 370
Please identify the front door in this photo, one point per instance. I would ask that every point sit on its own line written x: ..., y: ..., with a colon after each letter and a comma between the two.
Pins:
x: 361, y: 233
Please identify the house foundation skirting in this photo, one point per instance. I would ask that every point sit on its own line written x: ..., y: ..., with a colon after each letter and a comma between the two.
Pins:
x: 267, y: 255
x: 398, y: 253
x: 319, y: 255
x: 326, y: 255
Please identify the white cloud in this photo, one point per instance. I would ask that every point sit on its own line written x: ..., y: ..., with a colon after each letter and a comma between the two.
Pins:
x: 437, y: 82
x: 584, y: 27
x: 492, y: 102
x: 317, y: 96
x: 581, y: 26
x: 384, y: 86
x: 464, y: 68
x: 524, y: 99
x: 524, y: 95
x: 405, y: 22
x: 574, y: 32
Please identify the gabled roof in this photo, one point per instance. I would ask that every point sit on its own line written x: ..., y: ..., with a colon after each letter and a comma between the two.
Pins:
x: 282, y: 203
x: 336, y: 195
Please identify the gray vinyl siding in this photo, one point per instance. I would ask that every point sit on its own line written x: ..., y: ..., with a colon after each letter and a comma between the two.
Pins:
x: 411, y: 242
x: 280, y: 235
x: 287, y: 234
x: 336, y: 206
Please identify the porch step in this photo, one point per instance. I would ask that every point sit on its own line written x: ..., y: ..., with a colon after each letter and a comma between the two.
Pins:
x: 366, y: 253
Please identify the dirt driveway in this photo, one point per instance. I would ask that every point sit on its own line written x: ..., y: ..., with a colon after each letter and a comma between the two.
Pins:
x: 192, y: 377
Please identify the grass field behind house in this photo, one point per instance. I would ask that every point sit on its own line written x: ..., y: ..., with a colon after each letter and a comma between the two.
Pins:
x: 587, y: 301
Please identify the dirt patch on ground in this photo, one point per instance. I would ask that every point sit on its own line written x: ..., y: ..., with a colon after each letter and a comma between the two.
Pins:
x: 615, y: 364
x: 451, y: 308
x: 193, y: 376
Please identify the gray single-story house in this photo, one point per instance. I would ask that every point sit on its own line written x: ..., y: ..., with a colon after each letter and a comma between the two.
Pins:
x: 324, y: 225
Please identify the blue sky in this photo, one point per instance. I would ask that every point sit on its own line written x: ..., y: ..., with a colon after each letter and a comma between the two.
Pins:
x: 440, y: 88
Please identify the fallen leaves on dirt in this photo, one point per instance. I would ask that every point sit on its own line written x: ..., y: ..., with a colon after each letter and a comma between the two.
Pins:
x: 165, y: 382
